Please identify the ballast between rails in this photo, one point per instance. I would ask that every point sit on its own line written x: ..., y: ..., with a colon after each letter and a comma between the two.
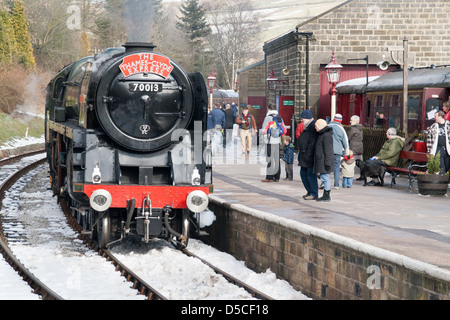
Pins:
x: 39, y: 288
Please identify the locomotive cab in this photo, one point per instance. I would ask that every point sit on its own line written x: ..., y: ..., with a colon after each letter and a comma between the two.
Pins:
x: 126, y: 145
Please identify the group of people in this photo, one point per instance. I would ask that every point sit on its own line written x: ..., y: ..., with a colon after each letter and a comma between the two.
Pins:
x: 326, y: 148
x: 222, y: 119
x: 321, y: 148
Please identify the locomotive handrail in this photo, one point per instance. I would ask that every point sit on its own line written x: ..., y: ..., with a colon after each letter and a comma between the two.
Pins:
x: 144, y: 80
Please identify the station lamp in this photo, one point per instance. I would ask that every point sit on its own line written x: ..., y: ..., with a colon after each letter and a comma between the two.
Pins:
x: 333, y: 70
x: 272, y: 81
x: 211, y: 84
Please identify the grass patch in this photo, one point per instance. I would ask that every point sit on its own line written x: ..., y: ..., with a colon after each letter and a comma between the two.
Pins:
x: 15, y: 126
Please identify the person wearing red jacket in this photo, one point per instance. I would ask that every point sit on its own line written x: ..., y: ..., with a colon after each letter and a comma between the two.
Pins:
x: 446, y: 109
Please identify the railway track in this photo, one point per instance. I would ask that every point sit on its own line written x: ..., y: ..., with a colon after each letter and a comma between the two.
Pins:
x: 138, y: 283
x: 38, y: 287
x: 254, y: 292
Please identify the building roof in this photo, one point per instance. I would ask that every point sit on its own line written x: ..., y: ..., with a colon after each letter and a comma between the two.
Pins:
x: 220, y: 93
x: 357, y: 85
x: 251, y: 66
x: 437, y: 77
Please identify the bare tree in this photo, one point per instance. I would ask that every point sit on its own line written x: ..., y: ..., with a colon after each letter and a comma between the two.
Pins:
x: 234, y: 39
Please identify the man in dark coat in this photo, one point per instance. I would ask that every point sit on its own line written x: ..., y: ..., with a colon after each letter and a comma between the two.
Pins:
x: 324, y: 157
x: 355, y: 139
x: 229, y: 121
x: 307, y: 144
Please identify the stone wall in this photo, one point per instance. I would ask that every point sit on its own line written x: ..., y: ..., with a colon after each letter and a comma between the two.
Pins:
x: 320, y: 264
x: 252, y: 82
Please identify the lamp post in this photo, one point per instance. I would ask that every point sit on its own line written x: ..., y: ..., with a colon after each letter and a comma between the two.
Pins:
x: 405, y: 51
x: 272, y: 81
x: 333, y: 70
x: 211, y: 83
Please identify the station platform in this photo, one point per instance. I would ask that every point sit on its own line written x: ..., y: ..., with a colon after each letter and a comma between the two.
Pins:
x: 393, y: 219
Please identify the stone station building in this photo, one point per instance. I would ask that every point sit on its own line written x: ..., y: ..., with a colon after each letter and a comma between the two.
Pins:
x: 354, y: 29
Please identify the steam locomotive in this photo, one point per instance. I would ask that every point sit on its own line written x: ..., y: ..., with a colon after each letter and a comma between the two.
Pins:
x: 126, y: 145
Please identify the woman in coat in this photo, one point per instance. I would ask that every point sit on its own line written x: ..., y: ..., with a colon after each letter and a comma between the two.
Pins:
x: 324, y: 157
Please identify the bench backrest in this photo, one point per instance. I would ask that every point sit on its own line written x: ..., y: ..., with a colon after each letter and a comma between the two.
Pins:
x: 414, y: 156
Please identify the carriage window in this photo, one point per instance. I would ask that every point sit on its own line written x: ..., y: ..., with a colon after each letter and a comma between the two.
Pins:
x: 380, y: 118
x: 413, y: 107
x: 394, y: 118
x: 379, y: 101
x: 432, y: 105
x: 395, y: 101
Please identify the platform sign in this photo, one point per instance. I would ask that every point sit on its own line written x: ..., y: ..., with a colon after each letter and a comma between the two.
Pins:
x: 288, y: 103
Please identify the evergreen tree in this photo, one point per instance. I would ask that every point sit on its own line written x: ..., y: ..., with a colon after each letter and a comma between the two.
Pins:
x: 7, y: 42
x: 24, y: 48
x: 193, y: 24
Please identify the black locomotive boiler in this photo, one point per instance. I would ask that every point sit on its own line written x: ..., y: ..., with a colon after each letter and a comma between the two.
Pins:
x: 126, y: 146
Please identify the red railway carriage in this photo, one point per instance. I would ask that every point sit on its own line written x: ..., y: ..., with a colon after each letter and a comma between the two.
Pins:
x: 380, y: 103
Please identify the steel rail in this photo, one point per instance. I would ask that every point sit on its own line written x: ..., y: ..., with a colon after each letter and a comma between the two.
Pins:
x: 20, y: 156
x: 254, y: 292
x: 138, y: 283
x: 38, y: 287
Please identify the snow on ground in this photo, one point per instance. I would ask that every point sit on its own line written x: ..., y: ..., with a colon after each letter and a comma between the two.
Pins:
x: 265, y: 282
x: 191, y: 279
x: 53, y: 253
x: 60, y: 260
x: 12, y: 287
x: 19, y: 142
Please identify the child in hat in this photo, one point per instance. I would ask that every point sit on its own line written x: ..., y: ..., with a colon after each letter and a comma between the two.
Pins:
x: 288, y: 157
x: 348, y: 170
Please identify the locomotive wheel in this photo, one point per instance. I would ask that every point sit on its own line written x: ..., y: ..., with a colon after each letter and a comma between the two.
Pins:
x: 104, y: 230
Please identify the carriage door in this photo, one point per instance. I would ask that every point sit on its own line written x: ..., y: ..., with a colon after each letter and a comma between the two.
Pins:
x: 433, y: 99
x: 286, y: 110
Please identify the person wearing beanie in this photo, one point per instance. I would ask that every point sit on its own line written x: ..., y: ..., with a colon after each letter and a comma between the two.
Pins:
x: 324, y: 157
x: 306, y: 148
x: 340, y: 146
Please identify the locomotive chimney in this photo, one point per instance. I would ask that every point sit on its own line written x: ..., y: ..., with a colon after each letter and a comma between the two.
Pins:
x: 138, y: 46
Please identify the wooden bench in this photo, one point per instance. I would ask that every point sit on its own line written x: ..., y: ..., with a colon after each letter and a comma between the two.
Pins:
x: 414, y: 160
